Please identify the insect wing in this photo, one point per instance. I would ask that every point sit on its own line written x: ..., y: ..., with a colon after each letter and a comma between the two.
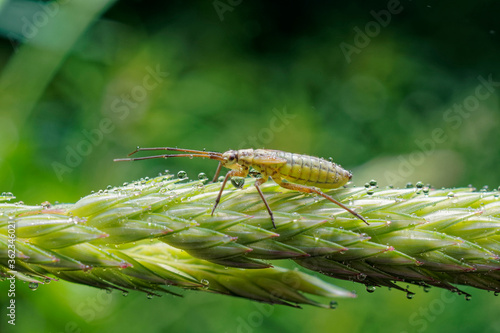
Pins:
x: 268, y: 159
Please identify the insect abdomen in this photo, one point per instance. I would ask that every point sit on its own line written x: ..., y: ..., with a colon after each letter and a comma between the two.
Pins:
x: 313, y: 171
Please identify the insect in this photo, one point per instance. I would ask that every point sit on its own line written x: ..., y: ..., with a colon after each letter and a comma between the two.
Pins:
x: 289, y: 170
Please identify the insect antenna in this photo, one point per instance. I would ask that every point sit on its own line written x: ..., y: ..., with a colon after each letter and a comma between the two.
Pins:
x: 138, y: 149
x: 194, y: 153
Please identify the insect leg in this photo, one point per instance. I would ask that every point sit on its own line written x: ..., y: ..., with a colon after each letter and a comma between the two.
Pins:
x: 307, y: 189
x: 217, y: 172
x: 259, y: 182
x: 232, y: 173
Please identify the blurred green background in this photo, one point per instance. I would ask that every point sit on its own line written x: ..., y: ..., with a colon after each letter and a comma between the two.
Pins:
x: 395, y: 91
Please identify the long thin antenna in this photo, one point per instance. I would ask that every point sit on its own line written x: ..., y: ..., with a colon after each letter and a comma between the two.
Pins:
x: 138, y: 149
x: 166, y: 156
x: 195, y: 153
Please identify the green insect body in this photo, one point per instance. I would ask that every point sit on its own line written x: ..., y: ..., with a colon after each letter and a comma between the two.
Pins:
x: 296, y: 168
x: 292, y: 171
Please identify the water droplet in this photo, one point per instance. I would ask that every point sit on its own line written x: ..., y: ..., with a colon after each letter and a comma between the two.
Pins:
x: 496, y: 293
x: 367, y: 185
x: 238, y: 182
x: 150, y: 296
x: 125, y: 293
x: 202, y: 176
x: 361, y: 276
x: 182, y: 174
x: 205, y: 283
x: 451, y: 194
x: 419, y: 184
x: 409, y: 185
x: 427, y: 289
x: 373, y: 182
x: 410, y: 295
x: 33, y: 286
x: 370, y: 289
x: 370, y: 192
x: 468, y: 297
x: 220, y: 179
x: 333, y: 305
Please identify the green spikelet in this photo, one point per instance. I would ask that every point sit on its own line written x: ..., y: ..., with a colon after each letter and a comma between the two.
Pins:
x: 156, y: 233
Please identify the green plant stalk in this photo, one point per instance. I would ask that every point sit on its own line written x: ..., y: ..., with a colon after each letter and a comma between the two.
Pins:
x: 159, y: 232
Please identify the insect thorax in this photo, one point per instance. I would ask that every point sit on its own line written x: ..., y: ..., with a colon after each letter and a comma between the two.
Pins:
x: 245, y: 157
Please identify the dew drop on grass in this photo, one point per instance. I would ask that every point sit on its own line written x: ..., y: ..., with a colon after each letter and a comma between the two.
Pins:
x: 410, y: 295
x: 468, y: 297
x: 373, y: 182
x: 33, y: 286
x: 333, y: 305
x: 238, y: 182
x: 182, y: 174
x: 202, y: 176
x: 370, y: 289
x: 205, y: 283
x: 419, y: 184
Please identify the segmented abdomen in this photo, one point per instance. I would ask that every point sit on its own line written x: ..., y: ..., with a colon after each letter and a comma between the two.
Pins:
x: 312, y: 171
